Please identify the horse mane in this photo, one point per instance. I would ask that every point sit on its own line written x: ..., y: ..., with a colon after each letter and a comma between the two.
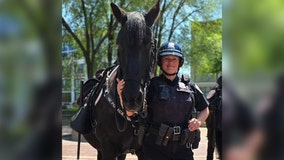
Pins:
x: 112, y: 78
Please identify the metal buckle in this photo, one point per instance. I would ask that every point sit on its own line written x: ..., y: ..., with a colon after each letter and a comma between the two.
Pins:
x: 176, y: 130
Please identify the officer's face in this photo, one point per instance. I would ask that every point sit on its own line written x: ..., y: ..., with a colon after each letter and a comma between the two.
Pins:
x: 170, y: 64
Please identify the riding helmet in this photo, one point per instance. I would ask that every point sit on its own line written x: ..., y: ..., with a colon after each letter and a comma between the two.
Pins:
x: 170, y: 48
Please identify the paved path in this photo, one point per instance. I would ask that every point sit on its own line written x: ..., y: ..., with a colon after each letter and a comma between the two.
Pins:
x: 87, y: 152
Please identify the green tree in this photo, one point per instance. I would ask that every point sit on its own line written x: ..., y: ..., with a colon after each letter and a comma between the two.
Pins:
x: 176, y: 19
x: 92, y: 26
x: 93, y: 29
x: 206, y: 47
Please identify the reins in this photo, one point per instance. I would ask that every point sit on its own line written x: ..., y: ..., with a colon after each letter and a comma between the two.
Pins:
x: 117, y: 106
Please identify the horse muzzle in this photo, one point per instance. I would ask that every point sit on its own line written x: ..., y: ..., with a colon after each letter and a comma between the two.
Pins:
x: 132, y: 99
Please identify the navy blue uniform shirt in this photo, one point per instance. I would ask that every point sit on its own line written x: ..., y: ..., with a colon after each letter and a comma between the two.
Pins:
x: 171, y: 102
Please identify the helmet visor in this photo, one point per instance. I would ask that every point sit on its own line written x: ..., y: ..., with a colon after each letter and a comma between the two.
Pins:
x: 171, y: 53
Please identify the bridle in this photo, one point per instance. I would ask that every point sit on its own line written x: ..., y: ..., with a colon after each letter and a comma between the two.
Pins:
x: 121, y: 110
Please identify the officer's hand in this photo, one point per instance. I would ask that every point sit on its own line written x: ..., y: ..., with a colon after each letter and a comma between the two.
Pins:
x: 194, y: 124
x: 120, y: 85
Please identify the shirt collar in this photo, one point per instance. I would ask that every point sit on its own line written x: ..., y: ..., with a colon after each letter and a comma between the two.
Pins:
x: 168, y: 81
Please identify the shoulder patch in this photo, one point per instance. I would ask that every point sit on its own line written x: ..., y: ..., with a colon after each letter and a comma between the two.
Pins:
x: 181, y: 85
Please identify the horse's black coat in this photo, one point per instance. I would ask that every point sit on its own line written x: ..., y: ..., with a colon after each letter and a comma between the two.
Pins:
x: 135, y: 42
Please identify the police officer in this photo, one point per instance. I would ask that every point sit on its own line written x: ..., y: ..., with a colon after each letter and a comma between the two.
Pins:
x: 170, y: 103
x: 214, y: 121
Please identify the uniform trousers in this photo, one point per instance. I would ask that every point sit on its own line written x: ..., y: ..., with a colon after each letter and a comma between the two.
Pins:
x: 172, y: 151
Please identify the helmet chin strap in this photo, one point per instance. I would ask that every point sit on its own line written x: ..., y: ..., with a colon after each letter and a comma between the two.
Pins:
x: 168, y: 74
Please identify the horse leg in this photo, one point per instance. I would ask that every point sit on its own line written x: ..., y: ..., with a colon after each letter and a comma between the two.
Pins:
x: 108, y: 156
x: 99, y: 155
x: 109, y: 151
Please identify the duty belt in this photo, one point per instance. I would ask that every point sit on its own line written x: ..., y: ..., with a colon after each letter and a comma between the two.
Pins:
x: 176, y: 130
x: 166, y: 132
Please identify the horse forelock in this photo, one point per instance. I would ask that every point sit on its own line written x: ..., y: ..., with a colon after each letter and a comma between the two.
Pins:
x: 135, y: 28
x: 133, y: 40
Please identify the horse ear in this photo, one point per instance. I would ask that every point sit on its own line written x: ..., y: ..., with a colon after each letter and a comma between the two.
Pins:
x: 152, y: 14
x: 119, y: 13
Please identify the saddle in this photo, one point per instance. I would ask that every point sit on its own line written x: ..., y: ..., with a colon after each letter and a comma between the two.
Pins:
x: 90, y: 93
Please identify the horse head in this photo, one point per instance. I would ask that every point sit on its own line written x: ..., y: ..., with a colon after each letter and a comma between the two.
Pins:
x: 135, y: 42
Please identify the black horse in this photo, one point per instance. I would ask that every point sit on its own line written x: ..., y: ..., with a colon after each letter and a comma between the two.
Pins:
x: 115, y: 133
